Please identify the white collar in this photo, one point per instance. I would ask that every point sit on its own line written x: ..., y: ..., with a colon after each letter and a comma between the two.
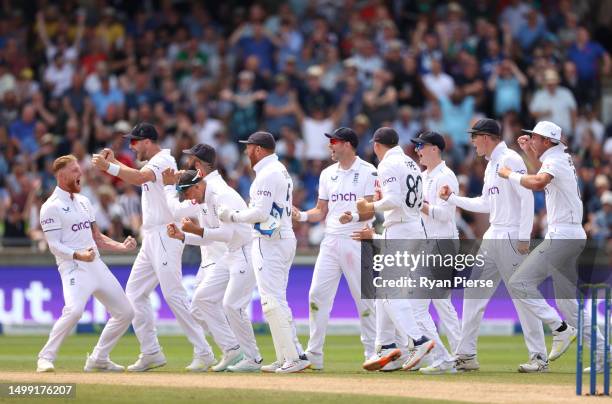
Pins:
x: 353, y: 167
x: 394, y: 150
x: 63, y: 195
x: 436, y: 169
x: 498, y: 151
x: 265, y: 161
x: 560, y: 148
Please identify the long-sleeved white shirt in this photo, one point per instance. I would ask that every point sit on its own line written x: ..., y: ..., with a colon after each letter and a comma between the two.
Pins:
x: 271, y: 193
x: 401, y: 186
x: 155, y: 210
x: 440, y: 222
x: 233, y: 235
x: 509, y: 205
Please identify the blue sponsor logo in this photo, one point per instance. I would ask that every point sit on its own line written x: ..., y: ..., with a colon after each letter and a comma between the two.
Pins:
x: 389, y: 180
x: 80, y: 226
x: 493, y: 191
x: 346, y: 197
x: 263, y: 192
x: 47, y: 221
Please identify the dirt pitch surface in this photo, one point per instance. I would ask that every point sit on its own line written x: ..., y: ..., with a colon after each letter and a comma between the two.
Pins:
x: 427, y: 389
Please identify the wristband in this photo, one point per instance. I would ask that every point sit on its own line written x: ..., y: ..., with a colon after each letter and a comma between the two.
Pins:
x: 515, y: 177
x: 113, y: 169
x: 303, y: 217
x: 354, y: 217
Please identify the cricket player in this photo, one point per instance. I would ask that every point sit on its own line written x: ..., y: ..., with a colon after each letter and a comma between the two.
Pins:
x: 273, y: 248
x: 504, y: 246
x: 438, y: 215
x: 401, y: 203
x: 159, y: 259
x: 222, y: 297
x: 553, y: 257
x: 69, y: 224
x: 340, y: 185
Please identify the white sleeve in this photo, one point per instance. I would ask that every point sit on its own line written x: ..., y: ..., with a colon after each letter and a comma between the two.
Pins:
x: 391, y: 190
x: 517, y: 165
x: 550, y: 167
x: 193, y: 239
x: 261, y: 201
x: 54, y: 239
x: 443, y: 211
x: 370, y: 182
x: 179, y: 209
x: 479, y: 204
x: 158, y: 165
x: 49, y: 219
x: 323, y: 194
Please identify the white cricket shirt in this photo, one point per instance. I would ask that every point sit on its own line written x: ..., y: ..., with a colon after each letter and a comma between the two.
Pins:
x: 155, y: 209
x: 341, y: 189
x: 440, y: 222
x: 563, y: 203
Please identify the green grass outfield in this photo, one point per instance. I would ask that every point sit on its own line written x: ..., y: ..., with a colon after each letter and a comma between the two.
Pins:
x: 498, y: 356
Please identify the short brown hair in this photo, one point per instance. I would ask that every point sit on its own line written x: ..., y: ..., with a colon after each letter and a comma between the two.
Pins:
x: 62, y: 162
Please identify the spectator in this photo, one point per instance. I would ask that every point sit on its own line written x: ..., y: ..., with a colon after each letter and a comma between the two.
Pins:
x: 244, y: 118
x: 506, y: 83
x: 280, y: 106
x: 591, y: 60
x: 260, y: 43
x: 554, y: 103
x: 406, y: 126
x: 380, y: 102
x: 58, y: 76
x: 457, y: 112
x: 437, y: 83
x: 21, y: 131
x: 206, y: 127
x: 107, y: 97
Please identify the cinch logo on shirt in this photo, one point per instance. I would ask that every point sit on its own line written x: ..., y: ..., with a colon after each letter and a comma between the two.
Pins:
x: 388, y: 180
x: 81, y: 226
x: 264, y: 193
x: 47, y: 221
x: 493, y: 191
x: 347, y: 197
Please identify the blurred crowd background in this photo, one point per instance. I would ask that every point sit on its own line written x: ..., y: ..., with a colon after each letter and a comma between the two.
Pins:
x: 75, y: 76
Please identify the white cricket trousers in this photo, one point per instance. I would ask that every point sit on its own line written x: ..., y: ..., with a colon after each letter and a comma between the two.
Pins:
x: 159, y: 262
x: 338, y: 255
x: 501, y: 259
x: 272, y: 260
x: 407, y: 316
x: 221, y: 300
x: 449, y: 321
x: 555, y: 256
x: 81, y: 280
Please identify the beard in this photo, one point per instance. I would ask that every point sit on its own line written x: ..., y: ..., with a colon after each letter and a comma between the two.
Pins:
x: 74, y: 187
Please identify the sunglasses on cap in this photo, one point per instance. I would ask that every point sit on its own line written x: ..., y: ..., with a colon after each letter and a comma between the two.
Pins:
x: 419, y: 146
x: 194, y: 181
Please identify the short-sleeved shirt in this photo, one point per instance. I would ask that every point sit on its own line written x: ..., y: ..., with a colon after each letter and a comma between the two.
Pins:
x: 341, y: 189
x: 72, y: 217
x: 155, y: 210
x: 586, y: 59
x: 563, y: 202
x: 560, y: 104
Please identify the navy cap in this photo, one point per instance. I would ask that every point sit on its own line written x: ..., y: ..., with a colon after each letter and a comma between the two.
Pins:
x: 188, y: 179
x: 263, y: 139
x: 486, y: 125
x: 346, y: 135
x: 204, y: 152
x: 385, y: 135
x: 430, y: 137
x: 143, y: 131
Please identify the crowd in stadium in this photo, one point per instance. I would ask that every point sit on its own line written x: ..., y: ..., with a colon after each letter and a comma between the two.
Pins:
x: 73, y: 80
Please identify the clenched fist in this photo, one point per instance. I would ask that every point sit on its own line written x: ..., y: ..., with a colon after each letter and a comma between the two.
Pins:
x: 346, y: 217
x: 129, y: 243
x: 189, y: 226
x: 88, y: 255
x: 100, y: 162
x: 225, y: 214
x: 445, y: 192
x: 364, y: 207
x: 174, y: 232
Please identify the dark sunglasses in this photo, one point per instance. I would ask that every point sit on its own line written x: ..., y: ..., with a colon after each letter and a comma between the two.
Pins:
x: 419, y: 146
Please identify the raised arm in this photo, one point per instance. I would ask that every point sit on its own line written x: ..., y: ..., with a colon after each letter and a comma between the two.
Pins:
x: 106, y: 243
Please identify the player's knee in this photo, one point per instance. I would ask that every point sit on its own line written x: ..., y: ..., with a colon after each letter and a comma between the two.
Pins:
x: 126, y: 315
x: 230, y: 307
x: 72, y: 313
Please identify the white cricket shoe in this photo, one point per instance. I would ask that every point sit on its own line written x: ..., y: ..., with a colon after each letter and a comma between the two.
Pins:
x: 148, y: 362
x: 536, y: 364
x: 201, y: 363
x: 381, y: 358
x: 396, y: 364
x: 230, y: 358
x: 561, y: 342
x: 44, y: 365
x: 95, y: 365
x: 417, y: 353
x: 466, y: 363
x: 316, y: 360
x: 271, y: 368
x: 295, y: 366
x: 439, y: 369
x: 246, y: 365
